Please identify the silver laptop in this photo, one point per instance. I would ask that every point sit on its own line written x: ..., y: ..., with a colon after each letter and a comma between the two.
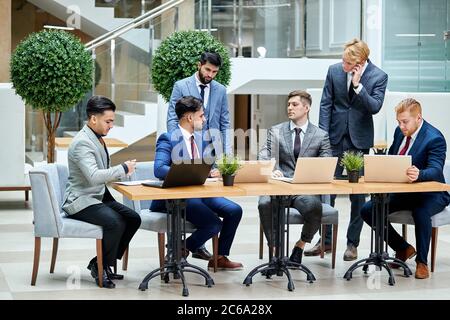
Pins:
x: 313, y: 170
x: 386, y: 168
x: 255, y: 171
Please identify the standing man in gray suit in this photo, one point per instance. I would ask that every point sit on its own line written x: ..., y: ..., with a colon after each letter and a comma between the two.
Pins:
x: 286, y: 142
x: 353, y: 93
x: 215, y: 105
x: 87, y: 198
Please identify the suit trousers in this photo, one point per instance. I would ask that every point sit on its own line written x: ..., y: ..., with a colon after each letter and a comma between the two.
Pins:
x: 310, y: 207
x: 204, y: 214
x: 119, y: 224
x: 357, y: 200
x: 423, y: 207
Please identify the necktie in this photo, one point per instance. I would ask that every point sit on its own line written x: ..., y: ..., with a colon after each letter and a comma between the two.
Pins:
x: 193, y: 148
x: 351, y: 91
x: 405, y: 148
x: 202, y: 91
x: 297, y: 142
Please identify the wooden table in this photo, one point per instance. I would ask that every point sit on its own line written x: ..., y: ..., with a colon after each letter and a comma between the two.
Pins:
x: 379, y: 194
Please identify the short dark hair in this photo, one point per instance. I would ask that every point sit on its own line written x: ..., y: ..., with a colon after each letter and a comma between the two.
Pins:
x: 98, y: 105
x: 211, y: 57
x: 304, y: 96
x: 187, y: 104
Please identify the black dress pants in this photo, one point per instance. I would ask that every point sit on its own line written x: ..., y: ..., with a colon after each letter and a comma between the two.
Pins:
x: 119, y: 224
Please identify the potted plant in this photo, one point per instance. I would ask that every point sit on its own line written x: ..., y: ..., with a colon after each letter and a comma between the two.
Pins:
x: 177, y: 58
x: 353, y: 163
x: 51, y: 71
x: 228, y: 166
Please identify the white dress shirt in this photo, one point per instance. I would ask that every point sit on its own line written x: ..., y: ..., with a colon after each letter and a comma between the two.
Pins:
x: 207, y: 89
x: 413, y: 138
x: 187, y: 140
x: 349, y: 79
x: 292, y: 126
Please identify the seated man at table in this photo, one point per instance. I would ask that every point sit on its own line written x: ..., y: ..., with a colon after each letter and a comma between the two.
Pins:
x: 427, y: 147
x: 286, y: 142
x: 186, y: 143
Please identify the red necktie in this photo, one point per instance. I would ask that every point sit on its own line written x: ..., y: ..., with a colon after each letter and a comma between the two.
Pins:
x: 193, y: 148
x: 405, y: 148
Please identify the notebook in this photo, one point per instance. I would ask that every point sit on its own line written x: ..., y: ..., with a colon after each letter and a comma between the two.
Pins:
x: 313, y: 170
x: 386, y: 168
x: 258, y: 171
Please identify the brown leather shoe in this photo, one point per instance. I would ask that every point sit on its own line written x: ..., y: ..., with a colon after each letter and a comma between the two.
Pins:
x: 422, y: 271
x: 403, y: 255
x: 315, y: 251
x: 223, y: 263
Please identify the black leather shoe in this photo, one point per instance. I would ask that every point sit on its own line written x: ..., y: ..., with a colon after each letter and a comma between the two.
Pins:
x: 296, y: 255
x: 202, y: 253
x: 112, y: 275
x: 107, y: 283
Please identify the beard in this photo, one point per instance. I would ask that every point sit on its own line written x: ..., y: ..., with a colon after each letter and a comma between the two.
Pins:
x: 202, y: 78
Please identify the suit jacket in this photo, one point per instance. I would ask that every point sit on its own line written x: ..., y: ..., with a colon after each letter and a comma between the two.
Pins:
x: 279, y: 145
x: 428, y: 154
x: 88, y: 172
x: 171, y: 148
x: 338, y: 115
x: 216, y: 112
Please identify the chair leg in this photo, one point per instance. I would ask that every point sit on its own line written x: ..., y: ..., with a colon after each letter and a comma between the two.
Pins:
x: 125, y: 259
x: 323, y: 232
x: 161, y: 250
x: 27, y: 195
x: 334, y: 246
x: 405, y: 231
x: 215, y: 240
x: 37, y: 254
x: 99, y: 262
x: 54, y: 253
x: 434, y: 238
x: 261, y: 241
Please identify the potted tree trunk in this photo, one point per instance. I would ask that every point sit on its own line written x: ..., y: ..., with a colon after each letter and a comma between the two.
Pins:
x: 353, y: 163
x: 228, y: 166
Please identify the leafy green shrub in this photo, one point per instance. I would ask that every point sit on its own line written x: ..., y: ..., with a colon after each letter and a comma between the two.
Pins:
x: 177, y: 58
x: 51, y: 71
x: 228, y: 165
x: 352, y: 161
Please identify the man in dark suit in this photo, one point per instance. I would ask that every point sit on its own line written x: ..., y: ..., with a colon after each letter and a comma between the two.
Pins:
x: 186, y: 143
x: 427, y: 147
x: 352, y: 94
x: 286, y: 142
x: 87, y: 198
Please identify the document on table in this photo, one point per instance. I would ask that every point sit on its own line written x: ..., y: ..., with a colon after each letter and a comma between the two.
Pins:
x: 134, y: 183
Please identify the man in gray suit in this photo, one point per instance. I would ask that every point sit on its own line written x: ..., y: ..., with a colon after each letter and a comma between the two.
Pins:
x: 215, y: 105
x: 353, y: 93
x: 87, y: 198
x: 286, y: 142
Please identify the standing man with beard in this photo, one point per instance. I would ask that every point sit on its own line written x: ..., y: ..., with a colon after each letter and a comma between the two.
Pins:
x: 215, y: 105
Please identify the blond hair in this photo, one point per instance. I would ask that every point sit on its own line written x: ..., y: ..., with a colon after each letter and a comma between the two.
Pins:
x: 356, y: 51
x: 409, y: 104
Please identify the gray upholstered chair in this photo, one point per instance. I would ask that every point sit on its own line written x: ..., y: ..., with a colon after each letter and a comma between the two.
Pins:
x: 48, y: 184
x: 442, y: 218
x: 156, y: 221
x: 330, y: 216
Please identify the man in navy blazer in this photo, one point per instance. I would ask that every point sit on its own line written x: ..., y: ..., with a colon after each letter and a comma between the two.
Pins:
x: 184, y: 143
x: 427, y: 147
x: 214, y: 96
x: 353, y: 93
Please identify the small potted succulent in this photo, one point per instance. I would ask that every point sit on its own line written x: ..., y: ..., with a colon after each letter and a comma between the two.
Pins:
x: 353, y: 163
x: 228, y: 166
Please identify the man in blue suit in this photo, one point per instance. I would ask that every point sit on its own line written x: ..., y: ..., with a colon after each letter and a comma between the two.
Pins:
x: 427, y: 147
x: 353, y: 93
x: 215, y: 103
x: 185, y: 143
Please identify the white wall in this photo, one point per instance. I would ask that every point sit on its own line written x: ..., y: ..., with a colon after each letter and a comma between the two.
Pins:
x: 12, y: 135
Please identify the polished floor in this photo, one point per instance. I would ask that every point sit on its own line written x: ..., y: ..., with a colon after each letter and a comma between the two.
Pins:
x: 72, y: 280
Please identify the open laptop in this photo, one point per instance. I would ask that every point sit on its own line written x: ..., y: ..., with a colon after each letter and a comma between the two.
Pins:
x: 255, y: 171
x: 313, y: 170
x: 183, y: 174
x: 386, y: 168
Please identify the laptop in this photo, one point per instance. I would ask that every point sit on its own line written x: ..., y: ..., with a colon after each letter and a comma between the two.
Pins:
x: 183, y: 174
x: 313, y: 170
x: 257, y: 171
x: 386, y: 168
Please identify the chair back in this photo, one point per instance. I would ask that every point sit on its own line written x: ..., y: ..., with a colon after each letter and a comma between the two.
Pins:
x: 143, y: 171
x: 447, y: 172
x: 48, y: 183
